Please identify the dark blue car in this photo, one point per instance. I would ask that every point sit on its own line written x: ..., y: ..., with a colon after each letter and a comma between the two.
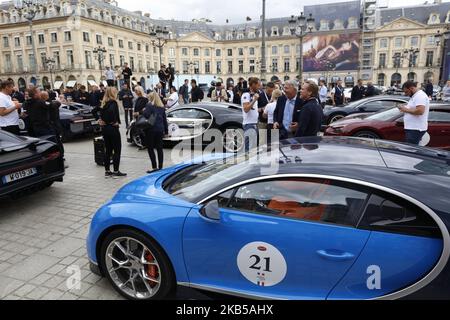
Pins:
x: 322, y: 219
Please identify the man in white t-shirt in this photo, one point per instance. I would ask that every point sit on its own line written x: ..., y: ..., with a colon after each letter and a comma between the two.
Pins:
x: 250, y: 112
x: 416, y: 113
x: 173, y: 99
x: 9, y: 115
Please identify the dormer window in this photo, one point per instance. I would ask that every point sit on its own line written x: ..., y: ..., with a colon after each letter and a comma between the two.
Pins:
x: 324, y: 25
x: 286, y: 31
x: 275, y: 32
x: 338, y: 24
x: 229, y: 36
x: 447, y: 20
x: 434, y: 19
x: 352, y: 23
x: 252, y: 35
x: 240, y: 36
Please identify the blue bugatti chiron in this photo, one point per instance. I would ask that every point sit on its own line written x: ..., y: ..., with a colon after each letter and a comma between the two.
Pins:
x: 338, y: 218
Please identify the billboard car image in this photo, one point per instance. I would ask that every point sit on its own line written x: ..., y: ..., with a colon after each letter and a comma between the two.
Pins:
x: 333, y: 52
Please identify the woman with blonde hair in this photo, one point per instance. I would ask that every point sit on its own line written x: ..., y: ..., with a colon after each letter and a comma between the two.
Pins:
x: 154, y: 135
x: 269, y: 111
x: 141, y: 101
x: 155, y: 99
x: 109, y: 120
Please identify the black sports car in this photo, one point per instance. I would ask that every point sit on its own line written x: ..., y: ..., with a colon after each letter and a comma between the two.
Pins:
x: 76, y: 119
x: 27, y: 164
x: 194, y: 123
x: 368, y: 105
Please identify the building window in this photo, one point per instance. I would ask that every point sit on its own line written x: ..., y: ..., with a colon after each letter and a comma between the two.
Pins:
x: 32, y: 61
x: 43, y: 60
x: 196, y: 52
x: 252, y: 66
x: 132, y: 63
x: 184, y: 52
x: 29, y: 41
x: 172, y: 52
x: 287, y: 49
x: 130, y: 45
x: 207, y: 67
x: 86, y: 37
x: 230, y: 67
x: 287, y: 65
x: 185, y: 67
x: 414, y: 41
x: 431, y: 40
x: 251, y: 51
x: 230, y: 52
x: 8, y: 64
x: 274, y: 50
x: 241, y: 51
x: 383, y: 43
x: 112, y: 61
x: 41, y: 39
x: 121, y: 44
x: 207, y: 52
x: 99, y: 39
x: 382, y: 61
x: 110, y: 42
x: 241, y: 66
x: 54, y: 37
x: 398, y: 42
x: 218, y: 52
x: 19, y: 63
x: 274, y: 65
x: 57, y: 59
x: 122, y: 60
x: 430, y: 57
x: 17, y: 41
x: 147, y: 49
x: 5, y: 42
x: 397, y: 60
x: 88, y: 59
x: 70, y: 60
x: 196, y: 67
x: 139, y: 47
x: 68, y: 36
x: 219, y: 67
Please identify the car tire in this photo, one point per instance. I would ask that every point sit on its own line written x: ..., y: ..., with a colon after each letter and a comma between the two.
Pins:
x: 138, y: 243
x: 335, y: 117
x: 367, y: 134
x: 236, y: 133
x: 136, y: 138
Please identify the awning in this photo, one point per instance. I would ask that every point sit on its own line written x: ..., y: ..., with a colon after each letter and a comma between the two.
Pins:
x: 71, y: 84
x: 92, y: 83
x: 58, y: 84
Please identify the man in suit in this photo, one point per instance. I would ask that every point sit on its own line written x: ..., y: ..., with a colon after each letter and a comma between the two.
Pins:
x: 287, y: 109
x: 358, y: 91
x: 309, y: 121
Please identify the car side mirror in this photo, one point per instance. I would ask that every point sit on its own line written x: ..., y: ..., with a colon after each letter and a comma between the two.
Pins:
x: 211, y: 210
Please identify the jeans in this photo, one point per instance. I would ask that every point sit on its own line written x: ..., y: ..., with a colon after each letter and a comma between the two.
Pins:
x: 154, y: 141
x: 113, y: 147
x: 414, y: 136
x: 251, y: 136
x: 128, y: 116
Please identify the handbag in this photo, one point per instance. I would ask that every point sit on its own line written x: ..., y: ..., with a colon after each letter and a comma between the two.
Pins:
x: 144, y: 123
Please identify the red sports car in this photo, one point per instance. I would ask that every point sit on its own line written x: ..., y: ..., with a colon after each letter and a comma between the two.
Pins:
x: 389, y: 125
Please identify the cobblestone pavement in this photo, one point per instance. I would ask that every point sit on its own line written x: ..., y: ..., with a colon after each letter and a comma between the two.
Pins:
x: 42, y: 236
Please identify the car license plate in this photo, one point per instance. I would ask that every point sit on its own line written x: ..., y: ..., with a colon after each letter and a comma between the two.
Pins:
x: 19, y: 175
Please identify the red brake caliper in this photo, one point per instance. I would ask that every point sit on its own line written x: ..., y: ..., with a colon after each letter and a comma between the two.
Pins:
x: 152, y: 271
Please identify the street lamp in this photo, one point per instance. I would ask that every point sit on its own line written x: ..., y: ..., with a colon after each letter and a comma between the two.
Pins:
x: 100, y: 55
x: 411, y: 55
x: 300, y: 26
x: 161, y: 35
x: 29, y: 10
x: 50, y: 63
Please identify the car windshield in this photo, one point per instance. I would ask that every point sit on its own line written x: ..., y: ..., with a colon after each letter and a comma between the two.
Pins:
x: 385, y: 115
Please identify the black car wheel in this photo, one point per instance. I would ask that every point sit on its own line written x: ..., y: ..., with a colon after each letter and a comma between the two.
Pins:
x: 136, y: 138
x: 335, y: 117
x: 233, y: 139
x: 366, y: 134
x: 136, y: 266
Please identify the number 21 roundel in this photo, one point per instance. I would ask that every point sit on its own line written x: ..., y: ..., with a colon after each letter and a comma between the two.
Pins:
x: 262, y: 264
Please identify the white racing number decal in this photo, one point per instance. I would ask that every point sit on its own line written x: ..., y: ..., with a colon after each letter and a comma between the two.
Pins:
x: 262, y: 264
x: 174, y: 130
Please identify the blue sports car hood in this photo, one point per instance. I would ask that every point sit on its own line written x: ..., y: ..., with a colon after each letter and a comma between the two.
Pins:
x: 150, y: 187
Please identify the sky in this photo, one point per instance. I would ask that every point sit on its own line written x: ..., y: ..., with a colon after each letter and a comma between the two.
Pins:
x: 234, y: 10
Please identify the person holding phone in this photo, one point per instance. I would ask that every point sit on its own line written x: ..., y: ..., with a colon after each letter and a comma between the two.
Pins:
x: 416, y: 113
x: 251, y: 114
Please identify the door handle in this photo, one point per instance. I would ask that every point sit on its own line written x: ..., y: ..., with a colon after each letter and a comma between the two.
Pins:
x: 335, y: 255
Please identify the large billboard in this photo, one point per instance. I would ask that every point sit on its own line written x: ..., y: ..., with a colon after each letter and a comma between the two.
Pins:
x: 331, y: 52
